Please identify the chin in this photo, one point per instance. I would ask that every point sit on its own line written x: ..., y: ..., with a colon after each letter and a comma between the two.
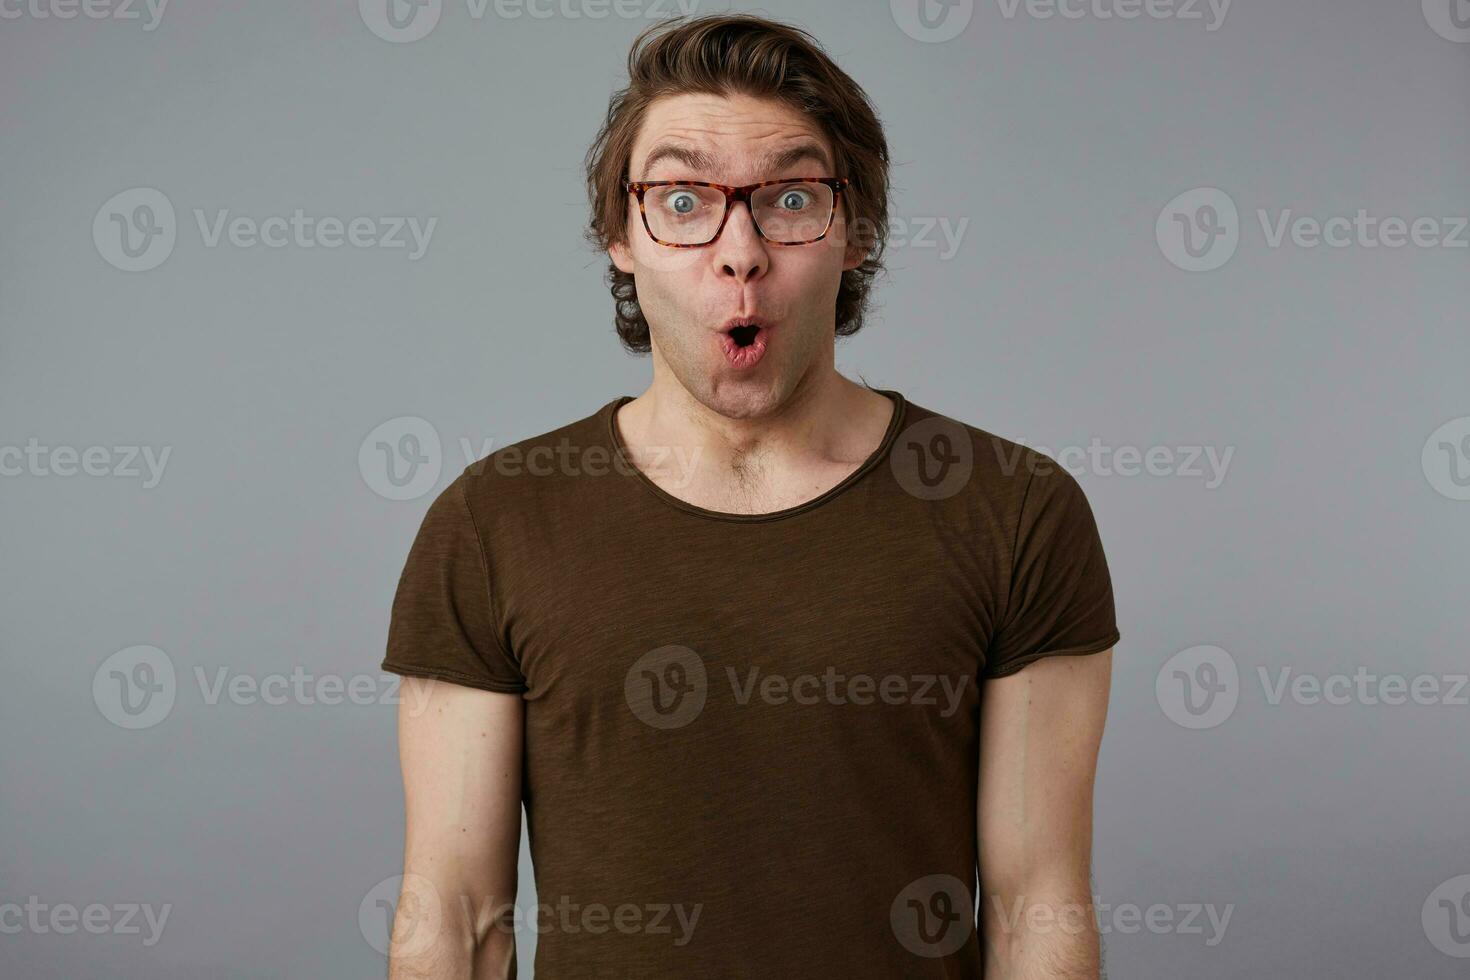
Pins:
x: 740, y: 398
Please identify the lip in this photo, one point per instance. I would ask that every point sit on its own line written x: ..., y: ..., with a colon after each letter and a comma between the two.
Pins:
x: 747, y: 357
x: 735, y: 321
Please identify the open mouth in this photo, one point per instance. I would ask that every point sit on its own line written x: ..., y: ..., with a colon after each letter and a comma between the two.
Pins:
x: 743, y: 340
x: 744, y: 335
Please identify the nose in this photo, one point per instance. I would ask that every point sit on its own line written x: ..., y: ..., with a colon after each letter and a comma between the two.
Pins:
x: 740, y: 252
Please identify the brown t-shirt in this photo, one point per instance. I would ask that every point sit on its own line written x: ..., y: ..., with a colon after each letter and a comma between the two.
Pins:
x: 751, y: 741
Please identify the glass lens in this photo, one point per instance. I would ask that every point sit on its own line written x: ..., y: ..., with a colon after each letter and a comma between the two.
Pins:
x: 794, y: 212
x: 684, y: 214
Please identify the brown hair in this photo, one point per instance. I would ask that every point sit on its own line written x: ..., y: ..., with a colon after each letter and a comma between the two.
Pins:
x: 727, y: 54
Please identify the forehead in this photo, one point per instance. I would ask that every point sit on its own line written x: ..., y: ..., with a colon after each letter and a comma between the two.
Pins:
x: 733, y: 138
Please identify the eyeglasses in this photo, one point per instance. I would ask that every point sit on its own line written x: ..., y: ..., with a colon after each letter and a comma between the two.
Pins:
x: 691, y: 213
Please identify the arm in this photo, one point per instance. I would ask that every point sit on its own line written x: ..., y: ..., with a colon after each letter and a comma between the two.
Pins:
x: 1040, y: 729
x: 460, y: 750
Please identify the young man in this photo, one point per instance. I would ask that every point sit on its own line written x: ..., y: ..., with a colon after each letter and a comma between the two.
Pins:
x: 729, y: 640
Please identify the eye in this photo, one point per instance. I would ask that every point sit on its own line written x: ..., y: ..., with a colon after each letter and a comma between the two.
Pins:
x: 682, y: 202
x: 795, y: 199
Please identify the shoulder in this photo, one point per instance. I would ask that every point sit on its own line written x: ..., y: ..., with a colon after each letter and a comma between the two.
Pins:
x: 984, y: 465
x: 522, y: 479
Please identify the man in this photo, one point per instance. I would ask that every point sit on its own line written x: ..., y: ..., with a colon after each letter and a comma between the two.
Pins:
x: 729, y: 640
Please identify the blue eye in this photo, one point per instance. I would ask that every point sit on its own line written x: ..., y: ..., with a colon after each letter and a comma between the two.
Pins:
x: 795, y: 200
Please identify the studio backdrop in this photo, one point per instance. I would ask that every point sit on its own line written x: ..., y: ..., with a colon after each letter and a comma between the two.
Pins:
x: 273, y: 274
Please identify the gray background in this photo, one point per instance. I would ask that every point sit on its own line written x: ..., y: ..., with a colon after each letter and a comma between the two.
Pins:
x: 266, y: 548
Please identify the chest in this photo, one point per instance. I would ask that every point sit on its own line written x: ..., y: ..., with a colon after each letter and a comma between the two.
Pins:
x: 755, y: 612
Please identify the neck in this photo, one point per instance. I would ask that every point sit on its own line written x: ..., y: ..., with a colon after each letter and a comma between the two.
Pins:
x: 825, y: 424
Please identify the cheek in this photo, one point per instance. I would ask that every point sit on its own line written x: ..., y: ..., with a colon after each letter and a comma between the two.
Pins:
x: 676, y: 268
x: 846, y: 238
x: 818, y: 266
x: 662, y: 291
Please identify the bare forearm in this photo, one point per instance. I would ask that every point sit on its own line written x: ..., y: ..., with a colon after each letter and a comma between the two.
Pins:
x: 495, y: 957
x: 461, y: 752
x: 450, y: 940
x: 1051, y: 937
x: 448, y: 958
x: 1041, y: 729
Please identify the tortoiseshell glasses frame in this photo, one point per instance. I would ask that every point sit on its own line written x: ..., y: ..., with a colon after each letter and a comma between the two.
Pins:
x: 732, y: 195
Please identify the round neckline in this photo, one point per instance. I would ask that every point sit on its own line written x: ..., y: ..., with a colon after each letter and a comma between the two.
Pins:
x: 615, y: 443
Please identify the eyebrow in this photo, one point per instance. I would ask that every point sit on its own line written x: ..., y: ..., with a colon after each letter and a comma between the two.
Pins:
x: 701, y: 162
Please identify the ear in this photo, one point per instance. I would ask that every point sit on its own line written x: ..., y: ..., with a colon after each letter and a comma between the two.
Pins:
x: 621, y: 256
x: 854, y: 256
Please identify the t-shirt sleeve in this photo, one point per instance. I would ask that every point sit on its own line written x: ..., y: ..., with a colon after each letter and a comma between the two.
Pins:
x: 1060, y: 599
x: 443, y: 623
